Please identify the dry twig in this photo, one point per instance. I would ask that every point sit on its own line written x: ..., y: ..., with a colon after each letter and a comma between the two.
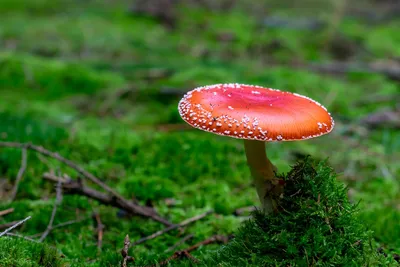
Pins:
x: 21, y: 171
x: 53, y: 213
x: 124, y: 252
x: 129, y: 205
x: 7, y: 211
x: 172, y: 227
x: 99, y: 230
x: 14, y: 226
x: 77, y: 187
x: 7, y: 225
x: 67, y: 162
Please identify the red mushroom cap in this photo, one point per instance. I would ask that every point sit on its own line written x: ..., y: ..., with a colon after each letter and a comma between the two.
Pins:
x: 254, y: 112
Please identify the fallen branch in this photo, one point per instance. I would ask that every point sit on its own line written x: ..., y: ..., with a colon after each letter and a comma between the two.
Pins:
x: 124, y: 252
x: 77, y: 187
x: 67, y: 162
x: 21, y: 171
x: 172, y: 227
x: 133, y: 208
x: 14, y: 226
x: 53, y: 213
x: 7, y: 211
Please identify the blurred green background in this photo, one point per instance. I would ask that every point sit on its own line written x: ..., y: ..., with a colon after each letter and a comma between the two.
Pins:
x: 98, y: 81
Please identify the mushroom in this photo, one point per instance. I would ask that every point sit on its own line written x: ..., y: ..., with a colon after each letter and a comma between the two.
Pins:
x: 256, y: 115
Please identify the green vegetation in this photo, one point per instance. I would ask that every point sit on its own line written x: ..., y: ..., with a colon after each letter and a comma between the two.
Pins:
x: 20, y: 252
x: 100, y: 85
x: 317, y: 226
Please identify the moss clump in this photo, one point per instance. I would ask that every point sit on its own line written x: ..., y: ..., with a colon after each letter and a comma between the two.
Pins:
x: 317, y: 226
x: 20, y: 252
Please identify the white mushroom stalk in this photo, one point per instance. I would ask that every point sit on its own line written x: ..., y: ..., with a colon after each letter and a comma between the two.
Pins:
x: 269, y: 188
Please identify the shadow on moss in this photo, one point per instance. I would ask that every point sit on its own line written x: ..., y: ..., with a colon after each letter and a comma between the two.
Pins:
x: 317, y: 226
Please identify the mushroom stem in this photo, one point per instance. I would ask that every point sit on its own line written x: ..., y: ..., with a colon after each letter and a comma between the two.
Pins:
x: 268, y: 187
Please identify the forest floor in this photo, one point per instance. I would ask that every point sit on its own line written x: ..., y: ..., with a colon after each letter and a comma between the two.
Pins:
x: 99, y: 83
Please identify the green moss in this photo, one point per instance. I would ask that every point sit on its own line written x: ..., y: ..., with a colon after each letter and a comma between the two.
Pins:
x: 19, y: 252
x: 380, y: 210
x: 384, y: 41
x: 51, y: 78
x: 317, y: 226
x: 27, y: 128
x: 34, y: 6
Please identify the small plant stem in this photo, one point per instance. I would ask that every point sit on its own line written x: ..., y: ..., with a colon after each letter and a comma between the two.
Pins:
x: 263, y: 171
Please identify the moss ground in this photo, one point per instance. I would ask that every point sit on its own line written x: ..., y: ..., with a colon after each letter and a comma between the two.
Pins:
x: 100, y: 85
x: 317, y: 226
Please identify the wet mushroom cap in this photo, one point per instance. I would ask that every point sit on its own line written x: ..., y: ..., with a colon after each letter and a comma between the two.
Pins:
x: 254, y: 112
